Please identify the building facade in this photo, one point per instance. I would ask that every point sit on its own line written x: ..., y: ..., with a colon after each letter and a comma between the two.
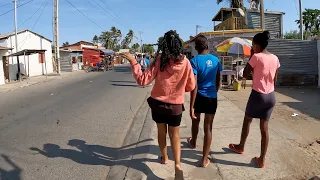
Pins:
x: 33, y: 65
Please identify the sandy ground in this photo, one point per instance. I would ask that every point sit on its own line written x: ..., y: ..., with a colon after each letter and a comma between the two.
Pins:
x: 304, y: 129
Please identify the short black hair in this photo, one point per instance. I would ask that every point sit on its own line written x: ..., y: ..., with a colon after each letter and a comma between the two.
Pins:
x: 201, y: 43
x: 144, y: 56
x: 139, y: 55
x: 262, y: 39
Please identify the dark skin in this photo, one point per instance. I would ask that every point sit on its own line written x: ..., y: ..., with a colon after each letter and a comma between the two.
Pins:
x: 208, y: 120
x: 247, y: 120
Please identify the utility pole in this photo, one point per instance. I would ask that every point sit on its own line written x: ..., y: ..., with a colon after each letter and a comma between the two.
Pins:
x: 56, y: 34
x: 301, y: 20
x: 262, y: 15
x: 16, y: 37
x: 141, y: 49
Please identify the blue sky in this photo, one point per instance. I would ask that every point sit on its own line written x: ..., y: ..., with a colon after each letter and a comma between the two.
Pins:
x: 152, y: 17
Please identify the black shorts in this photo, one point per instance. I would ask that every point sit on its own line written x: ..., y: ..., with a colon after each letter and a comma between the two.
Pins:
x: 170, y: 120
x: 205, y: 105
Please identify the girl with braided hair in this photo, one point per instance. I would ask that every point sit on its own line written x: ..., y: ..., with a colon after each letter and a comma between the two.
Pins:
x: 173, y: 76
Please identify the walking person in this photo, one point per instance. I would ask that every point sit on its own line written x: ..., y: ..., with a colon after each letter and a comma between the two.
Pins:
x: 173, y: 77
x: 203, y: 100
x: 264, y: 66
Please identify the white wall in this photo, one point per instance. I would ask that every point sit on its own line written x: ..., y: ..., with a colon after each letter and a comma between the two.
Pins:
x: 318, y: 45
x: 28, y: 40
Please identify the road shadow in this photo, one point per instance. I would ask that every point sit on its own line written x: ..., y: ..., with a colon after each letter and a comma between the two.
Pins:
x: 14, y: 174
x: 126, y: 85
x: 123, y: 82
x: 122, y: 69
x: 91, y: 154
x: 308, y: 97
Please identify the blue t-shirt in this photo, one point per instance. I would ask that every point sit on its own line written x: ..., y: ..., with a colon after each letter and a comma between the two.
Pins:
x: 206, y: 66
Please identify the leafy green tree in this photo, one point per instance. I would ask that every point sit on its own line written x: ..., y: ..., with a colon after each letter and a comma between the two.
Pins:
x: 95, y: 39
x: 311, y: 21
x: 148, y: 48
x: 135, y: 47
x: 127, y: 40
x: 233, y: 3
x: 65, y: 44
x: 292, y: 35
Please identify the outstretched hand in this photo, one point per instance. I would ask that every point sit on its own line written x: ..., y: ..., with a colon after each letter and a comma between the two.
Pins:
x: 127, y: 56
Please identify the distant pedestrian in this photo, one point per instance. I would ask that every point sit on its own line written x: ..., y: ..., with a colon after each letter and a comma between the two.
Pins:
x: 173, y: 77
x: 206, y: 68
x: 262, y: 99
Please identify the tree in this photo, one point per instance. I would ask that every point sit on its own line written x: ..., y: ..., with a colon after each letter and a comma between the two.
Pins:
x: 135, y: 47
x: 233, y: 3
x: 65, y: 44
x: 95, y: 39
x: 127, y: 40
x: 311, y: 21
x: 292, y: 35
x: 148, y: 48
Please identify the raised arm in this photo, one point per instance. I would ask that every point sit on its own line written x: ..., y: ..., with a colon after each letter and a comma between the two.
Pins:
x: 145, y: 78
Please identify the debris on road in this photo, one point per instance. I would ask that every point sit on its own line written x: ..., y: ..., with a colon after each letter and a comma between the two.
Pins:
x: 294, y: 114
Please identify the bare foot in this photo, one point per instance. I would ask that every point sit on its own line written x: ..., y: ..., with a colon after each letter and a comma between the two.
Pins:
x: 178, y: 173
x: 259, y: 162
x: 164, y: 159
x: 236, y: 148
x: 205, y: 162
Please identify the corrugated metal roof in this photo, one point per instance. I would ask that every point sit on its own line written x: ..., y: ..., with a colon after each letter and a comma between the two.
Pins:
x: 6, y: 35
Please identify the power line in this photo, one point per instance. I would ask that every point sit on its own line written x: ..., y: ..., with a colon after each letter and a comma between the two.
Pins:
x: 108, y: 12
x: 111, y: 10
x: 17, y: 7
x: 5, y: 4
x: 85, y: 15
x: 43, y: 4
x: 35, y: 22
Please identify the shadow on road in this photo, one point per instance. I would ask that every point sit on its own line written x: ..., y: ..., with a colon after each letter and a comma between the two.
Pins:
x: 126, y: 85
x: 122, y: 69
x: 14, y: 174
x: 90, y: 154
x: 123, y: 82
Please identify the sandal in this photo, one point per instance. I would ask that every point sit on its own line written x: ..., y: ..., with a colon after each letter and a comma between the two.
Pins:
x: 257, y: 162
x: 233, y: 148
x: 189, y: 142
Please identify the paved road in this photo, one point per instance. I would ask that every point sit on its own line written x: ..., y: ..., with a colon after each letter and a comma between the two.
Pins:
x: 48, y: 131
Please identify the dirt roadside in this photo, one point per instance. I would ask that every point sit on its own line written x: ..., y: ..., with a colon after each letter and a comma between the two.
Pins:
x: 304, y: 129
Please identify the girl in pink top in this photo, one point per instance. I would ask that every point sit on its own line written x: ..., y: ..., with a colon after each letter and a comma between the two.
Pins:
x: 173, y: 77
x: 264, y: 66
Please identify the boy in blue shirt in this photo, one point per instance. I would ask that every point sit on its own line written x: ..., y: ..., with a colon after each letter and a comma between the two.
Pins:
x: 206, y: 68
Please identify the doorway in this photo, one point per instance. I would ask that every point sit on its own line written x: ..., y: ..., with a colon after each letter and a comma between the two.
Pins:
x: 5, y: 67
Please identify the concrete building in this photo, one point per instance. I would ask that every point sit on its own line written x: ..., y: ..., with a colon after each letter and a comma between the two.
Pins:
x: 34, y: 64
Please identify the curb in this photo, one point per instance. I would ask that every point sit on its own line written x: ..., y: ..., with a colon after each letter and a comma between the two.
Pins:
x: 140, y: 128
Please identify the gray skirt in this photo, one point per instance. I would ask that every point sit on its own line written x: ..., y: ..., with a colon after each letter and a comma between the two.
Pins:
x: 260, y: 105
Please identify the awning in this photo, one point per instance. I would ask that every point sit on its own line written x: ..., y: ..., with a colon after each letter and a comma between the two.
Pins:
x: 4, y: 48
x: 28, y: 52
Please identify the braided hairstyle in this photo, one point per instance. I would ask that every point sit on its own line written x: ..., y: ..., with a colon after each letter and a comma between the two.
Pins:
x: 171, y: 49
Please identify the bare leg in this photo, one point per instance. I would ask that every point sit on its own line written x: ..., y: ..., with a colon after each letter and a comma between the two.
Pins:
x: 195, y: 130
x: 162, y: 135
x: 245, y: 132
x: 264, y: 139
x: 207, y: 128
x: 176, y: 146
